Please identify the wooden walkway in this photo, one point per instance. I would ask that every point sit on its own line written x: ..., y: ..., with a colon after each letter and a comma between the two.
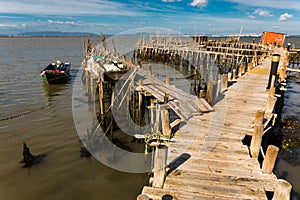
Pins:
x: 182, y: 103
x: 206, y: 157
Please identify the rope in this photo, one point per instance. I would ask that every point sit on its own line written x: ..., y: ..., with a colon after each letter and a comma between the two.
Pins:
x: 23, y: 114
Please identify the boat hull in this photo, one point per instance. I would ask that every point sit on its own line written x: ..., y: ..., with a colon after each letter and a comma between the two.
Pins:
x: 53, y: 75
x: 56, y: 78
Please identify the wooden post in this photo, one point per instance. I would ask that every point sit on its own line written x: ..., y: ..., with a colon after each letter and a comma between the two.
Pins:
x: 240, y: 71
x: 142, y: 197
x: 152, y: 108
x: 271, y: 103
x: 200, y: 94
x: 100, y: 87
x: 274, y: 67
x: 243, y: 67
x: 168, y: 80
x: 160, y: 163
x: 272, y: 91
x: 131, y: 62
x: 282, y: 190
x: 233, y: 74
x: 209, y: 92
x: 224, y: 82
x: 139, y: 65
x: 156, y: 126
x: 165, y: 120
x: 229, y: 75
x: 256, y: 140
x: 219, y: 87
x: 270, y: 159
x: 140, y: 84
x: 149, y: 70
x: 259, y: 117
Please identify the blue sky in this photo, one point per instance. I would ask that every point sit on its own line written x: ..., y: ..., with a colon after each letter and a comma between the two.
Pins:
x: 206, y: 17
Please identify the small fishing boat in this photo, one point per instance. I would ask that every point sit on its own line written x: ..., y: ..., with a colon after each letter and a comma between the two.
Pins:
x: 56, y: 73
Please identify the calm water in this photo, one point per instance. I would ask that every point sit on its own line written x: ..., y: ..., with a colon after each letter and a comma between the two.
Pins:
x: 288, y: 162
x: 41, y: 116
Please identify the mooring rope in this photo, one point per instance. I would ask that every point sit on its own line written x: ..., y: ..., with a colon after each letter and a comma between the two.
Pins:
x: 23, y: 114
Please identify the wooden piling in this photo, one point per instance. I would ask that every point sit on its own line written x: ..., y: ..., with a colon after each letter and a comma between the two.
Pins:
x: 160, y: 163
x: 156, y: 126
x: 229, y: 76
x: 270, y: 159
x: 282, y: 190
x: 271, y: 103
x: 209, y: 92
x: 224, y: 78
x: 142, y: 197
x: 100, y: 88
x: 272, y: 91
x: 167, y: 80
x: 200, y: 94
x: 256, y: 140
x: 259, y: 117
x: 233, y: 74
x: 149, y: 70
x: 140, y: 84
x: 165, y: 120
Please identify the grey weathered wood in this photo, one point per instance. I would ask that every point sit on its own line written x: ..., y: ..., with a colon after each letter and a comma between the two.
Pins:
x: 160, y: 163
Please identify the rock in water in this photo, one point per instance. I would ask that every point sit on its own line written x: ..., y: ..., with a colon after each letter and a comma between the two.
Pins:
x: 84, y: 152
x: 29, y: 159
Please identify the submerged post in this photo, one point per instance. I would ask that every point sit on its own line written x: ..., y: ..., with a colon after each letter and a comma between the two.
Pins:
x: 274, y: 67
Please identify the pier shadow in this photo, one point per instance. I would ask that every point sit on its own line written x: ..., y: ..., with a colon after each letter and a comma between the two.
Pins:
x: 174, y: 164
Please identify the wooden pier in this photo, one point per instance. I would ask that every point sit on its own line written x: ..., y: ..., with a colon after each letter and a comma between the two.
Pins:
x: 209, y: 156
x: 206, y: 158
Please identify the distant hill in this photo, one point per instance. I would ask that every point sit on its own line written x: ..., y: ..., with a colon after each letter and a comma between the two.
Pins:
x: 55, y: 34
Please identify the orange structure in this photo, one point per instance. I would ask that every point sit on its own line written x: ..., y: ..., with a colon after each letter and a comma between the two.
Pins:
x: 272, y: 38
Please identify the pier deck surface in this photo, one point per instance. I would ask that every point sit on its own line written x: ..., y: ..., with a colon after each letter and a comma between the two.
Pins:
x: 182, y: 103
x: 206, y: 156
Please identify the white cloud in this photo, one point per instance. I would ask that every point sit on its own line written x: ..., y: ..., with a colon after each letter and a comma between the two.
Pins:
x: 263, y: 13
x: 280, y: 4
x: 68, y: 7
x: 199, y: 3
x: 60, y: 22
x: 170, y: 1
x: 285, y: 17
x: 251, y: 16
